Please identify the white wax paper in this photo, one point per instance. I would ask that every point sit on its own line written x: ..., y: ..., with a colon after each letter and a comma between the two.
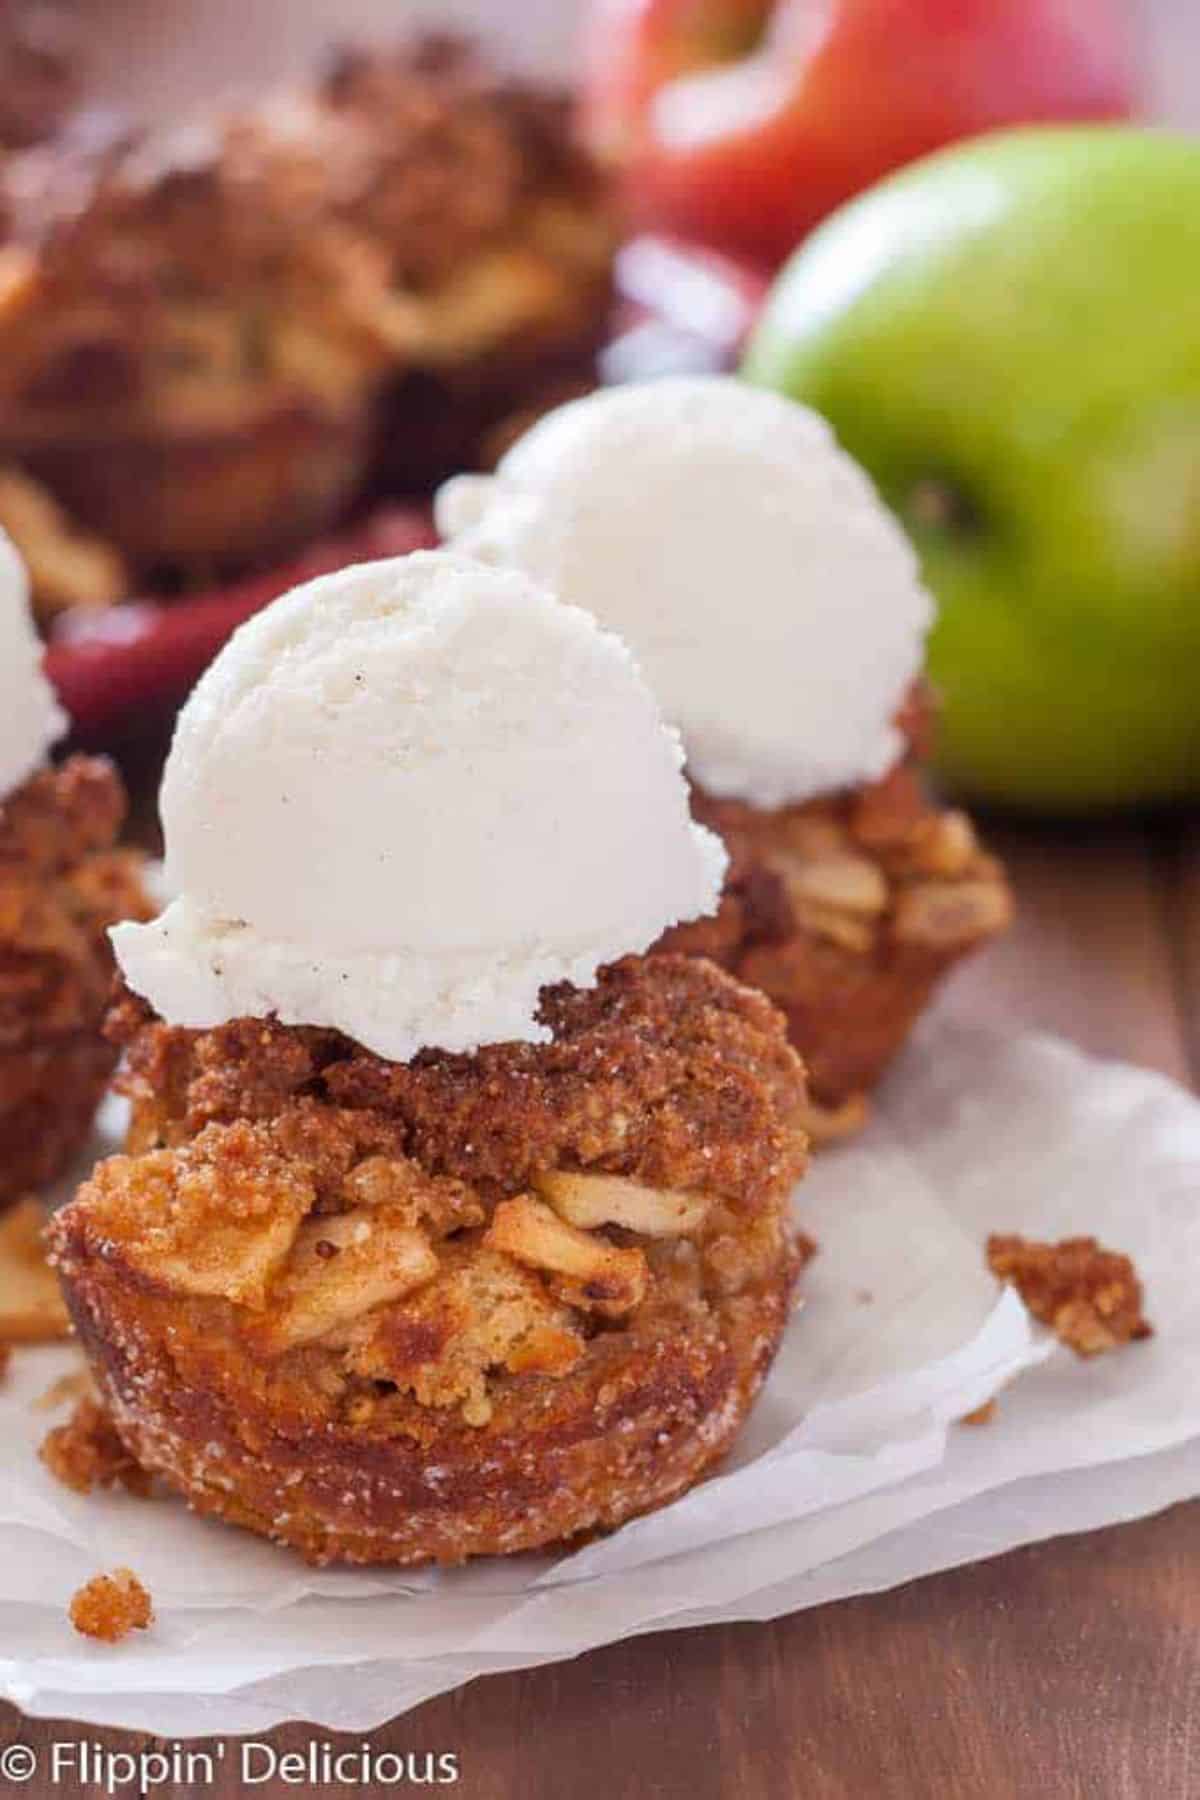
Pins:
x: 851, y: 1476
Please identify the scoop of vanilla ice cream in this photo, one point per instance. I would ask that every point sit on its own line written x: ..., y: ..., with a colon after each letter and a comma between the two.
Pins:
x: 772, y: 601
x: 404, y: 799
x: 30, y: 718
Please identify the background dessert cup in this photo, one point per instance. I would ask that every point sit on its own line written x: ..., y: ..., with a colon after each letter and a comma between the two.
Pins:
x: 848, y: 911
x: 215, y: 339
x: 63, y: 882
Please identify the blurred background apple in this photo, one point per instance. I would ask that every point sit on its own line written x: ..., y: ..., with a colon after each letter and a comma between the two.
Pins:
x: 742, y: 123
x: 1006, y: 336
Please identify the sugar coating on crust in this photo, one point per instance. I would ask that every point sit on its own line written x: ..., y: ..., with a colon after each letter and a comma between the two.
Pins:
x: 62, y: 884
x: 470, y: 1303
x: 846, y: 912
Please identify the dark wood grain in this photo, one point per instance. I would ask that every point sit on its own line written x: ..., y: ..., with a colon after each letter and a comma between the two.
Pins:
x: 1183, y: 903
x: 1092, y: 953
x: 1070, y: 1670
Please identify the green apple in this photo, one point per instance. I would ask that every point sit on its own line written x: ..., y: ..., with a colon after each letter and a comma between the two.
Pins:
x: 1007, y: 336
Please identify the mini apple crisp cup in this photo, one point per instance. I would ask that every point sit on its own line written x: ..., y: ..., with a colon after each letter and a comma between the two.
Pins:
x: 847, y: 913
x: 217, y: 338
x: 393, y: 1312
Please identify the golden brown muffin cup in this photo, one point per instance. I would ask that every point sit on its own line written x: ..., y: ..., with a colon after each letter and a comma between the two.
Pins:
x: 214, y: 342
x: 467, y: 1305
x: 62, y: 884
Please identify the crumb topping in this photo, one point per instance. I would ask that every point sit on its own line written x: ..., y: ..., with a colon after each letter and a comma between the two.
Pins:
x: 882, y: 867
x: 665, y: 1072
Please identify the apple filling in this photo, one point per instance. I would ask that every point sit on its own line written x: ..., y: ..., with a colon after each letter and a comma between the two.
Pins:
x: 403, y: 1281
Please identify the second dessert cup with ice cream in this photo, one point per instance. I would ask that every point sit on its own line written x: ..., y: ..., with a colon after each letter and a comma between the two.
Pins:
x: 450, y: 1223
x: 63, y: 882
x: 777, y: 611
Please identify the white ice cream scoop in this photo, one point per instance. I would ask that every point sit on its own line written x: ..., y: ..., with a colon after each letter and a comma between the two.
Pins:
x: 404, y: 799
x: 30, y: 717
x: 770, y: 598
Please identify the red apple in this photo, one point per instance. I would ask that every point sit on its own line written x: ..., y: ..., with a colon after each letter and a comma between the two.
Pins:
x: 741, y: 123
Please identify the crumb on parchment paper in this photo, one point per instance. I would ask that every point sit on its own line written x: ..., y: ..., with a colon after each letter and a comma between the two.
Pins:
x: 86, y: 1453
x: 109, y: 1607
x: 982, y: 1415
x: 1089, y: 1296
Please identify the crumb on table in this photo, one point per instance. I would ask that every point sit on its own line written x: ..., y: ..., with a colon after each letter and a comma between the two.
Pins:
x: 1089, y: 1296
x: 109, y: 1607
x: 86, y: 1452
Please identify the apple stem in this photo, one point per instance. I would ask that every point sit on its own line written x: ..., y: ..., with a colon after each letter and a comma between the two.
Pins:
x: 936, y: 505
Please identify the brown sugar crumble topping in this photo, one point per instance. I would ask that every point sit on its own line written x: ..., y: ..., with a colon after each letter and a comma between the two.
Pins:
x: 1089, y: 1296
x: 109, y: 1607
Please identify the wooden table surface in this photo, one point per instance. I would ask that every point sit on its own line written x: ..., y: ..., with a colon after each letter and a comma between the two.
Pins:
x: 1069, y: 1671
